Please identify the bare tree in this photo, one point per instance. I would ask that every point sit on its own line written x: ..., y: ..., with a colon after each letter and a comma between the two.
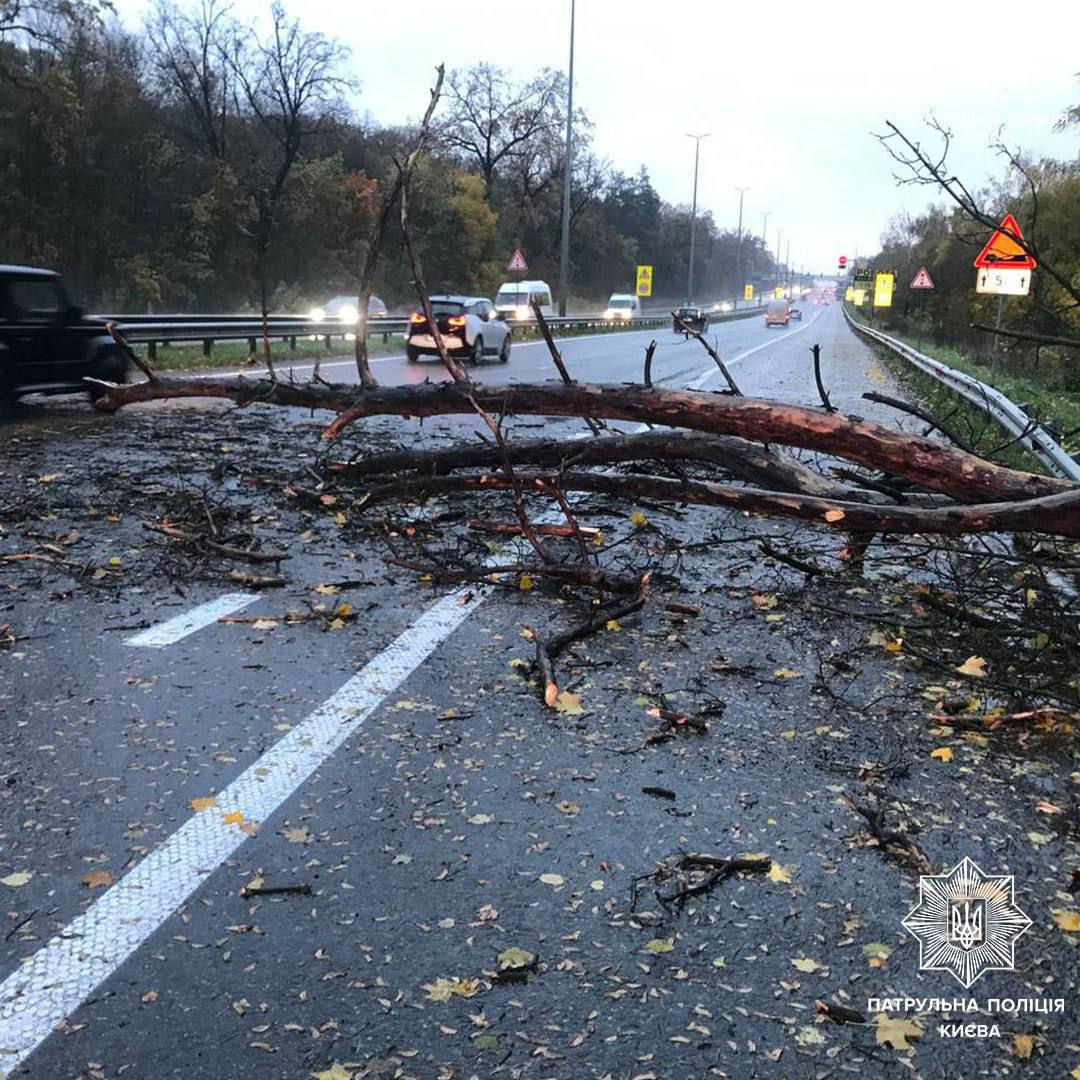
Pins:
x: 289, y: 83
x: 189, y: 50
x: 490, y: 119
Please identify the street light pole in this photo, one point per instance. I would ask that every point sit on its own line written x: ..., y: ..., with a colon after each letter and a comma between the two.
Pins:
x: 564, y: 246
x: 738, y: 246
x: 777, y: 275
x: 693, y: 218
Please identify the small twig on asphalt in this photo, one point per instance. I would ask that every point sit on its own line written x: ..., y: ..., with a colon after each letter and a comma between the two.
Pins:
x: 648, y: 363
x: 823, y: 393
x: 300, y: 889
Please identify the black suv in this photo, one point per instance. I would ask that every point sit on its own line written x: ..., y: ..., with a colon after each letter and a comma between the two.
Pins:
x: 47, y: 346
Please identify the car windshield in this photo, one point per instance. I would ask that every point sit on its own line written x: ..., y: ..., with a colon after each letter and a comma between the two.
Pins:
x: 446, y: 307
x: 512, y: 296
x: 620, y: 302
x: 36, y: 296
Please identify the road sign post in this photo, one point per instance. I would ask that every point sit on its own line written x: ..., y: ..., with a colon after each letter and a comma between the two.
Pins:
x: 1004, y: 269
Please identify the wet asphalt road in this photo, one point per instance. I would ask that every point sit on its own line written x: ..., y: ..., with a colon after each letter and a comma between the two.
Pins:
x: 424, y: 838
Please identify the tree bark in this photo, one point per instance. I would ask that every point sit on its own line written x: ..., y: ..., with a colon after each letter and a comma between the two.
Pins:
x: 922, y: 461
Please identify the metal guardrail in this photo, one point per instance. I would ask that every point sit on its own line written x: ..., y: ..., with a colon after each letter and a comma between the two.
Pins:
x: 1027, y: 431
x: 154, y: 330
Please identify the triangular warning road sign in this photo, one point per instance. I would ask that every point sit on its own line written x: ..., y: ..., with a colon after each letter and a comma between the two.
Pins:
x: 517, y: 262
x: 1004, y: 251
x: 922, y: 280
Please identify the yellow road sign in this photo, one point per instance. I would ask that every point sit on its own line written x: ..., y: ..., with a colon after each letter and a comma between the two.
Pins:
x: 748, y: 292
x: 779, y: 292
x: 883, y: 289
x: 859, y: 298
x: 849, y: 294
x: 644, y: 281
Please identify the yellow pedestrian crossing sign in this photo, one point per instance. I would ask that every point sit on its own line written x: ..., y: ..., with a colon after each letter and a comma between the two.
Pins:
x: 883, y: 289
x: 644, y: 281
x: 748, y: 292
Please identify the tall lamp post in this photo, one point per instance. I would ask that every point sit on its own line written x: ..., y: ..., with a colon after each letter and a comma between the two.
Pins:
x: 564, y: 245
x: 693, y: 217
x: 738, y: 246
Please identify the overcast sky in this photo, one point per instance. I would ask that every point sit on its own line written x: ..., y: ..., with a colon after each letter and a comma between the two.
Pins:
x: 790, y: 92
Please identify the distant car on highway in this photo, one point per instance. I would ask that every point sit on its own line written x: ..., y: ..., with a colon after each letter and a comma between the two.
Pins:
x: 343, y: 309
x: 622, y: 306
x: 469, y: 326
x: 777, y: 313
x: 47, y: 345
x: 514, y: 299
x: 692, y: 316
x: 795, y: 313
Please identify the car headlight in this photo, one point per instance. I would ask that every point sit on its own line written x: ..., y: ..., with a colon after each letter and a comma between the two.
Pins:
x: 609, y: 314
x: 316, y: 314
x: 521, y: 312
x: 726, y: 305
x: 349, y: 314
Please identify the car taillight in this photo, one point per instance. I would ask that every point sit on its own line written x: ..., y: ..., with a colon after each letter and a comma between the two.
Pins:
x: 417, y: 317
x: 456, y: 321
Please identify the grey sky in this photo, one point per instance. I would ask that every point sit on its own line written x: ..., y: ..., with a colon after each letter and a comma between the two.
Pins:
x: 789, y: 91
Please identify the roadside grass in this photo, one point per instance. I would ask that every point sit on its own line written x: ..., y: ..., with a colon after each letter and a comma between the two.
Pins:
x: 236, y: 353
x: 1056, y: 408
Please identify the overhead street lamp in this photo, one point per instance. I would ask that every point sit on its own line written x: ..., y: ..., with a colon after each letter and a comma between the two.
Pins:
x: 564, y: 245
x: 738, y: 246
x: 693, y: 217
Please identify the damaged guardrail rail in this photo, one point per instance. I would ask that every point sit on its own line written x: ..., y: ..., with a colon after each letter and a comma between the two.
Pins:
x: 1028, y: 432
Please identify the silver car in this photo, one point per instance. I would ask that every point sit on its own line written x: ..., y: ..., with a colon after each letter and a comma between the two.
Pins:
x: 469, y: 327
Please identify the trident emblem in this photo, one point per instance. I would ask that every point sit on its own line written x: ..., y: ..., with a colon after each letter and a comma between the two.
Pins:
x: 966, y: 922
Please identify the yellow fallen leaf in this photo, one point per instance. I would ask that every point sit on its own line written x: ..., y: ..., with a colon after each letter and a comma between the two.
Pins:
x: 835, y: 515
x: 525, y: 583
x: 781, y: 873
x: 297, y: 836
x: 235, y: 818
x: 48, y: 478
x: 975, y: 666
x: 18, y: 879
x: 335, y: 1072
x: 445, y: 989
x: 613, y: 625
x: 637, y: 519
x: 894, y: 646
x: 339, y: 518
x: 116, y: 561
x: 1067, y: 920
x: 569, y: 703
x: 569, y: 808
x: 343, y: 610
x: 895, y: 1032
x: 516, y: 958
x: 325, y: 590
x: 554, y: 880
x: 764, y: 600
x: 942, y: 753
x: 264, y: 624
x: 204, y: 802
x: 805, y: 964
x: 97, y: 879
x: 1023, y: 1046
x: 786, y: 673
x: 480, y: 819
x: 658, y: 946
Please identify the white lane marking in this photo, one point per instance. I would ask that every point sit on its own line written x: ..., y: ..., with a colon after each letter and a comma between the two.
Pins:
x: 64, y: 972
x: 178, y: 627
x: 60, y: 976
x: 704, y: 377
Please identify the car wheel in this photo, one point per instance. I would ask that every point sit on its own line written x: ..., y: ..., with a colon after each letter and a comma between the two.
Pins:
x: 504, y: 352
x: 411, y: 354
x: 477, y: 350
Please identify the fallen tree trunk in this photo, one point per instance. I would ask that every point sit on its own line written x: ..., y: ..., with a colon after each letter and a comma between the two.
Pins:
x: 746, y: 460
x: 1055, y: 514
x: 923, y: 461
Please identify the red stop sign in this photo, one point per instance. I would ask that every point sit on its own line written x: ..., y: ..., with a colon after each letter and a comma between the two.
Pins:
x: 843, y: 260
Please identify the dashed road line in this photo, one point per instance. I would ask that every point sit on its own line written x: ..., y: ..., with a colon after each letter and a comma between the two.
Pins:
x: 180, y: 626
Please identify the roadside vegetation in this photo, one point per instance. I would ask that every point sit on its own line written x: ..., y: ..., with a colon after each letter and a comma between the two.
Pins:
x: 1036, y: 361
x: 200, y: 165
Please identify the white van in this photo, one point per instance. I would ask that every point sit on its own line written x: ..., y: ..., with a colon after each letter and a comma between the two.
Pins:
x: 514, y: 299
x: 623, y: 306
